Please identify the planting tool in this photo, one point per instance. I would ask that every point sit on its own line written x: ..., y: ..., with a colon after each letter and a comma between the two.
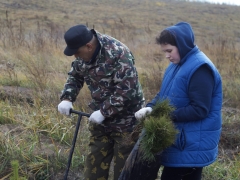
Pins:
x: 80, y: 114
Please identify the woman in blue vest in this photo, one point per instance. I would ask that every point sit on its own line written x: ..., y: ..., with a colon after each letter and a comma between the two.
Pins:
x: 194, y: 87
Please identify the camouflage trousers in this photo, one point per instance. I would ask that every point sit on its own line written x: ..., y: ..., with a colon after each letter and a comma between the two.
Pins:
x: 105, y: 147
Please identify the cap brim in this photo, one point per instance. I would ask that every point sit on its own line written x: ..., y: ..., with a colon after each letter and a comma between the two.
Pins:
x: 70, y: 52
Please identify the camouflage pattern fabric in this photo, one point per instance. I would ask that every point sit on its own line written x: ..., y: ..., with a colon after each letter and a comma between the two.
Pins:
x: 103, y: 148
x: 113, y: 81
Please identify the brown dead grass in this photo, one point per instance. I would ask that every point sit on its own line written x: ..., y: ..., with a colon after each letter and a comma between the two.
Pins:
x: 134, y: 22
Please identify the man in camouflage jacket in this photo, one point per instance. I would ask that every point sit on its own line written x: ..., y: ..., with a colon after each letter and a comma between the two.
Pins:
x: 107, y: 67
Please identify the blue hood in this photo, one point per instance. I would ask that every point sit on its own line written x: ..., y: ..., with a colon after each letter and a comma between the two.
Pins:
x: 184, y: 36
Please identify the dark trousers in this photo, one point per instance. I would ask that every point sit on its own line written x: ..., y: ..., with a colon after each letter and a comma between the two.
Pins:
x: 182, y: 173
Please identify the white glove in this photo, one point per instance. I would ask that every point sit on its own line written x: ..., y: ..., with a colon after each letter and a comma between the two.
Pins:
x: 64, y: 107
x: 143, y: 112
x: 96, y: 117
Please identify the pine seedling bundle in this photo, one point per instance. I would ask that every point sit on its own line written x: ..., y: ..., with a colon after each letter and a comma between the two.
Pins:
x: 160, y: 131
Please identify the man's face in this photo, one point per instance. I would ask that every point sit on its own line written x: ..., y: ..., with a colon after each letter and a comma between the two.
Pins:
x: 171, y: 53
x: 84, y: 53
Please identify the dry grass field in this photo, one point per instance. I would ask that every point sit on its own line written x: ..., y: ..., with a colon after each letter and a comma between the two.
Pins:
x: 33, y: 70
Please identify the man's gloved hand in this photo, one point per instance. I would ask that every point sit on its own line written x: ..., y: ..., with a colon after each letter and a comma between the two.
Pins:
x: 64, y: 107
x: 96, y: 117
x: 143, y: 112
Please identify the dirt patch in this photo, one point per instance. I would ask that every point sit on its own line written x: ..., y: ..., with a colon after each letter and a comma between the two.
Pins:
x: 16, y: 93
x: 230, y: 137
x: 45, y: 146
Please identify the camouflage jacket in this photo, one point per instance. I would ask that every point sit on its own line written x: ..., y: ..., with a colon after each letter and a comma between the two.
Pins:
x: 113, y: 81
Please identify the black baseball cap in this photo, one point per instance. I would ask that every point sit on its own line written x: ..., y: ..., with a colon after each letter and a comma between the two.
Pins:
x: 76, y: 37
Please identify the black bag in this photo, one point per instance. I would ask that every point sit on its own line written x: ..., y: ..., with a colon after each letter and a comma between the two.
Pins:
x: 136, y: 168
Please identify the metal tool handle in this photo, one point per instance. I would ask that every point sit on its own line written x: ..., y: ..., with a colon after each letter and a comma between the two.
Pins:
x: 80, y: 114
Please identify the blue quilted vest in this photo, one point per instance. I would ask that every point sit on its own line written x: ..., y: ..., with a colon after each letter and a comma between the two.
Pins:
x: 197, y: 142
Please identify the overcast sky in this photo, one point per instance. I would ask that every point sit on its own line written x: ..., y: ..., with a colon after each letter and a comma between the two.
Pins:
x: 233, y: 2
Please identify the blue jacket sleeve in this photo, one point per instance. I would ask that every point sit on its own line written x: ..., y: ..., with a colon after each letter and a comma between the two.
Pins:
x: 200, y: 95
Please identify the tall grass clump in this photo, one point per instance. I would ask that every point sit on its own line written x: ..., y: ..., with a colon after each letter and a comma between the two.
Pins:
x: 39, y: 139
x: 223, y: 170
x: 223, y: 51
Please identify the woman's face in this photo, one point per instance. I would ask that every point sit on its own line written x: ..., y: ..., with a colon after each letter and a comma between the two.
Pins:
x: 171, y: 53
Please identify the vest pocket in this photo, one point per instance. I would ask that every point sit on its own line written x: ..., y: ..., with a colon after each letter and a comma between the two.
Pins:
x: 181, y: 140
